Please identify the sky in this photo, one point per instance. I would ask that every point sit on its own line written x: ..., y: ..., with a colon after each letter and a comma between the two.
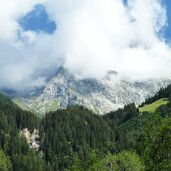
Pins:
x: 168, y: 29
x: 88, y: 37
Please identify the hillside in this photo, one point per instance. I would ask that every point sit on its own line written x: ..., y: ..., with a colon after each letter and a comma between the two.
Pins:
x: 13, y: 145
x: 153, y: 106
x: 123, y: 130
x: 77, y: 139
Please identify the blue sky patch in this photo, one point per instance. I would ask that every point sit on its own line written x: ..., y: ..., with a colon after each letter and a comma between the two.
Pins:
x: 166, y: 32
x: 125, y: 2
x: 168, y: 29
x: 37, y: 20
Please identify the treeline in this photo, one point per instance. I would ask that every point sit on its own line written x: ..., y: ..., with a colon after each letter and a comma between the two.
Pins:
x: 15, y: 154
x: 73, y: 134
x: 76, y: 139
x: 163, y: 93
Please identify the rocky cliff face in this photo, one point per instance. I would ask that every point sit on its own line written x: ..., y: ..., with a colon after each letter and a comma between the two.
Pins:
x: 31, y: 138
x: 101, y: 96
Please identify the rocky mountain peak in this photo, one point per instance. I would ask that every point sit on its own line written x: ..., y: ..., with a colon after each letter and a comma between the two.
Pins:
x: 101, y: 96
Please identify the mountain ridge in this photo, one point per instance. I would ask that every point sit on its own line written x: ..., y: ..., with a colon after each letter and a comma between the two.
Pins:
x: 100, y: 96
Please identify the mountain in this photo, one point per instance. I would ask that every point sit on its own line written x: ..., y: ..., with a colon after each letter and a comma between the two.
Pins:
x: 100, y: 96
x: 76, y: 139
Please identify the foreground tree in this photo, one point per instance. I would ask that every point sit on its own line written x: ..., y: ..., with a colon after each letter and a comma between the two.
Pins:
x: 5, y: 163
x: 155, y: 146
x: 124, y: 161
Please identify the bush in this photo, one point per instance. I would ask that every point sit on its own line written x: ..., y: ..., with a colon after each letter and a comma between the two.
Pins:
x: 124, y: 161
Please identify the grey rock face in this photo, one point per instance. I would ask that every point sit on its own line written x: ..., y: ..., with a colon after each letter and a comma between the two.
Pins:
x: 100, y: 96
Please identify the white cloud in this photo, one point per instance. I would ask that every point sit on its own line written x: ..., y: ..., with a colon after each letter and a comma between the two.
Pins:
x: 93, y: 36
x: 10, y: 11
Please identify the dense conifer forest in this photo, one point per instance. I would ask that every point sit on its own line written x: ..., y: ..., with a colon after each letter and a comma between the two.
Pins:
x: 78, y: 140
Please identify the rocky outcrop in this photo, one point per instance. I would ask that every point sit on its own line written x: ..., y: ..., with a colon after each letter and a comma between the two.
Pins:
x: 32, y: 138
x: 100, y: 96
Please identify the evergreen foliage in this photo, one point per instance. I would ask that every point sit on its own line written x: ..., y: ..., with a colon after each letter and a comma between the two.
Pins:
x: 73, y: 132
x: 4, y: 162
x: 75, y: 139
x: 125, y: 160
x: 163, y: 93
x: 12, y: 120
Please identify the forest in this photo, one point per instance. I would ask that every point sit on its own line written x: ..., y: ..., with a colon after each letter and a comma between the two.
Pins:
x: 75, y: 139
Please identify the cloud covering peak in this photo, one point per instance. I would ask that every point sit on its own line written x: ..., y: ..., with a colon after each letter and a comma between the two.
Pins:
x: 91, y: 38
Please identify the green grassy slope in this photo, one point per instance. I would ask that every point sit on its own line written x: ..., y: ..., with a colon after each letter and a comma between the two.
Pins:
x: 39, y: 108
x: 153, y: 106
